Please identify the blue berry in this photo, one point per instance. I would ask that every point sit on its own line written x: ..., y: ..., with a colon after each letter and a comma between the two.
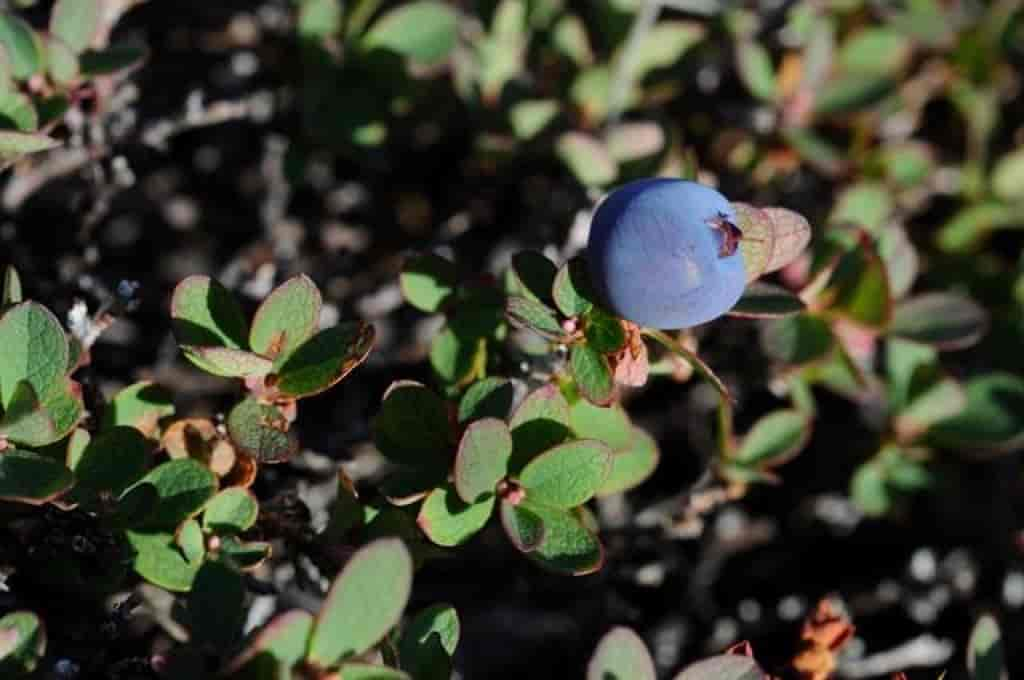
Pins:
x: 663, y: 253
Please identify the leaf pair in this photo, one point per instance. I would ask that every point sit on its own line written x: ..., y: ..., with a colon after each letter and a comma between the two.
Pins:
x: 364, y: 603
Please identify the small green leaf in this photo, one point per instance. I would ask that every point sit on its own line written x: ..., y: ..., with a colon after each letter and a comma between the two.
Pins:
x: 993, y: 419
x: 133, y: 507
x: 61, y: 61
x: 449, y: 521
x: 206, y: 314
x: 423, y: 31
x: 412, y: 427
x: 183, y: 486
x: 189, y: 537
x: 30, y: 478
x: 22, y: 46
x: 76, y: 22
x: 158, y: 559
x: 604, y: 332
x: 537, y: 316
x: 608, y: 424
x: 945, y: 320
x: 231, y: 511
x: 228, y: 362
x: 869, y: 491
x: 33, y: 347
x: 279, y: 646
x: 14, y: 145
x: 877, y: 50
x: 487, y: 398
x: 774, y: 439
x: 111, y: 60
x: 767, y: 301
x: 567, y: 475
x: 524, y: 528
x: 65, y: 406
x: 865, y: 204
x: 567, y: 546
x: 943, y: 399
x: 901, y: 259
x: 754, y: 65
x: 27, y: 644
x: 26, y: 421
x: 852, y: 92
x: 1008, y: 177
x: 859, y: 287
x: 797, y: 340
x: 434, y: 629
x: 288, y: 317
x: 365, y: 601
x: 985, y: 655
x: 216, y: 606
x: 428, y: 282
x: 967, y: 229
x: 17, y: 112
x: 325, y: 359
x: 540, y: 421
x: 587, y: 158
x: 319, y: 19
x: 482, y: 459
x: 723, y: 667
x: 592, y: 373
x: 10, y: 289
x: 530, y: 117
x: 631, y: 465
x: 621, y: 655
x: 262, y: 431
x: 665, y: 45
x: 112, y: 461
x: 367, y: 671
x: 141, y: 405
x: 245, y: 555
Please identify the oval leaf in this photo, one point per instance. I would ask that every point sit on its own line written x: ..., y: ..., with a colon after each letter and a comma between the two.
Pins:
x: 26, y: 643
x: 183, y: 487
x: 524, y: 528
x: 282, y: 642
x: 33, y: 347
x: 766, y: 301
x: 567, y: 547
x: 428, y: 281
x: 774, y: 439
x: 287, y: 318
x: 448, y: 521
x: 412, y: 427
x: 567, y: 475
x: 228, y: 362
x: 621, y: 655
x: 423, y: 31
x: 325, y: 359
x: 30, y: 478
x: 262, y: 431
x: 632, y: 465
x: 206, y: 314
x: 76, y: 22
x: 482, y: 459
x: 723, y: 667
x: 945, y: 320
x: 592, y: 373
x: 231, y: 511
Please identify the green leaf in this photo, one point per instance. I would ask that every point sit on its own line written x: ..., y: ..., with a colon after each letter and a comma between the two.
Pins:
x: 869, y: 491
x: 569, y: 36
x: 66, y: 407
x: 183, y: 486
x: 279, y: 646
x: 767, y: 301
x: 10, y: 289
x: 985, y: 655
x: 206, y: 314
x: 631, y: 465
x: 17, y: 112
x: 530, y: 117
x: 76, y: 22
x: 27, y: 643
x: 665, y: 45
x: 815, y: 150
x: 288, y: 317
x: 592, y: 373
x: 754, y: 65
x: 943, y: 399
x: 364, y: 603
x: 428, y: 282
x: 877, y: 50
x: 22, y: 46
x: 797, y: 340
x: 428, y: 641
x: 412, y: 427
x: 859, y: 287
x: 33, y: 347
x: 487, y: 398
x: 158, y: 559
x: 621, y: 655
x: 537, y: 316
x: 319, y: 19
x: 245, y: 555
x: 900, y: 258
x: 524, y: 528
x: 604, y: 332
x: 1008, y: 177
x: 408, y: 485
x: 112, y: 461
x: 567, y: 475
x: 608, y: 424
x: 967, y: 229
x: 723, y: 667
x: 26, y: 421
x: 907, y: 364
x: 587, y: 158
x: 539, y: 422
x: 567, y: 546
x: 111, y: 60
x: 61, y: 61
x: 231, y: 511
x: 852, y: 92
x: 908, y: 164
x: 30, y: 478
x: 993, y: 419
x: 448, y: 521
x: 591, y: 92
x: 14, y: 145
x: 216, y: 606
x: 133, y: 507
x: 423, y: 31
x: 482, y: 459
x: 774, y: 439
x: 325, y: 359
x: 228, y: 362
x: 366, y: 671
x: 865, y: 204
x: 189, y: 537
x: 141, y: 405
x: 262, y: 431
x: 946, y: 321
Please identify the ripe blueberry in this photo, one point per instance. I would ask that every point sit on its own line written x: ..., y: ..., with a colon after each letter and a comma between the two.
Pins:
x: 663, y: 253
